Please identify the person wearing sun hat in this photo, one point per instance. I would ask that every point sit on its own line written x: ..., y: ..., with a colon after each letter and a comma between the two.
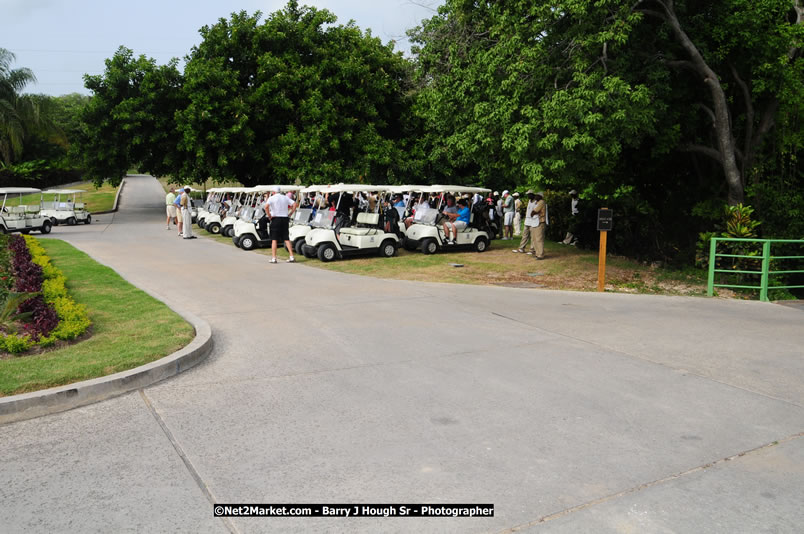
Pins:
x: 517, y: 215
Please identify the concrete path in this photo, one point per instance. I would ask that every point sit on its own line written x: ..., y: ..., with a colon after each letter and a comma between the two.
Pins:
x: 571, y: 412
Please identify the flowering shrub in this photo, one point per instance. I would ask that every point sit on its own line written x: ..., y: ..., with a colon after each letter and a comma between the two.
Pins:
x: 54, y: 314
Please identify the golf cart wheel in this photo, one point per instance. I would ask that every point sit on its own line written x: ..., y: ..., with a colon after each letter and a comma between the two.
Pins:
x: 387, y: 249
x: 227, y: 231
x: 298, y: 246
x: 248, y: 242
x: 88, y: 220
x: 213, y: 228
x: 71, y: 221
x: 236, y: 241
x: 409, y: 245
x: 46, y: 227
x: 54, y: 221
x: 429, y: 246
x: 327, y: 252
x: 481, y: 244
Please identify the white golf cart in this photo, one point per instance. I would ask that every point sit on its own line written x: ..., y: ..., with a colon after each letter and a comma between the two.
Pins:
x: 426, y: 232
x: 22, y: 218
x: 247, y: 232
x: 225, y: 208
x: 67, y: 210
x: 333, y: 237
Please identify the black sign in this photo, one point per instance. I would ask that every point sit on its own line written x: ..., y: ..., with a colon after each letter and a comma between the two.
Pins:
x: 605, y: 219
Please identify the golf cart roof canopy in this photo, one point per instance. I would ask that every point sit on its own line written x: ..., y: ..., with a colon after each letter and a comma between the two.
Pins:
x: 18, y: 190
x: 404, y: 188
x: 313, y: 188
x: 270, y: 188
x: 219, y: 189
x: 450, y: 189
x: 64, y: 191
x: 354, y: 188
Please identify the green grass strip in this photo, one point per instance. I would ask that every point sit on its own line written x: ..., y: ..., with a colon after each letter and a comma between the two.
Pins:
x: 130, y: 328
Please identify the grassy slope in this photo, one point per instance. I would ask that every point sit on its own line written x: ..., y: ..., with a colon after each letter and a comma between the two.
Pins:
x: 100, y: 199
x: 130, y: 328
x: 565, y: 267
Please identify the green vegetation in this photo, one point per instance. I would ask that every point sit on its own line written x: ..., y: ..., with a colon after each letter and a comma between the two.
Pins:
x: 97, y: 199
x: 130, y: 328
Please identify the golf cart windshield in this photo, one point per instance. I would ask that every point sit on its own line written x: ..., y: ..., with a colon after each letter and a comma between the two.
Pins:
x: 302, y: 216
x: 425, y: 216
x: 323, y: 219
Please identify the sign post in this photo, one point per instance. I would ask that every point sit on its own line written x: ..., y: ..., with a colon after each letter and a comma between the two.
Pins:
x: 605, y: 221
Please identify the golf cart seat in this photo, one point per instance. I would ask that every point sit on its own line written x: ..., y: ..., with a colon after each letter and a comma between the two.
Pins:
x: 469, y: 226
x: 367, y: 224
x: 79, y: 205
x: 31, y: 209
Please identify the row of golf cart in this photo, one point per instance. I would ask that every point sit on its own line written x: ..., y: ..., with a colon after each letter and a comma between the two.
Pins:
x: 55, y: 206
x: 325, y: 226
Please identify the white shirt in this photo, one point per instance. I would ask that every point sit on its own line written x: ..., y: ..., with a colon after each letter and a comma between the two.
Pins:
x: 279, y: 204
x: 531, y: 220
x: 575, y: 210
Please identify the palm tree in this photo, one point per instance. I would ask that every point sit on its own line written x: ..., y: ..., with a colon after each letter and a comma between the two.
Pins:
x: 20, y: 115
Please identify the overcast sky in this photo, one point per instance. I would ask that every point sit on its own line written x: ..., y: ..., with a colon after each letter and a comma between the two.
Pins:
x: 60, y: 40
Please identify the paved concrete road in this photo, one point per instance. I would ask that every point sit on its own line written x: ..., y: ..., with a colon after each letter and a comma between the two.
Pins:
x: 571, y: 412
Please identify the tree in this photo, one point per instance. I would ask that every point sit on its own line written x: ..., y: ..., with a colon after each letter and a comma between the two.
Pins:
x: 21, y: 116
x: 295, y: 97
x: 561, y: 92
x: 130, y: 118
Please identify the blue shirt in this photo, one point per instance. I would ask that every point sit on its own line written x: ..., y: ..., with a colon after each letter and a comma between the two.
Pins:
x: 463, y: 215
x: 400, y: 204
x: 177, y: 202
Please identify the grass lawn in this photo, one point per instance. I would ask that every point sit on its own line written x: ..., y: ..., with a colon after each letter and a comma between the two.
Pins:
x: 129, y: 328
x: 96, y: 199
x: 564, y: 267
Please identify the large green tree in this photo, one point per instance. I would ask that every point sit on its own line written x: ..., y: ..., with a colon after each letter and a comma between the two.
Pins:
x: 295, y: 97
x: 130, y: 118
x: 580, y: 91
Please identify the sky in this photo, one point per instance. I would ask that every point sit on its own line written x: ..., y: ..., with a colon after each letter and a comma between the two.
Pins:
x: 61, y: 40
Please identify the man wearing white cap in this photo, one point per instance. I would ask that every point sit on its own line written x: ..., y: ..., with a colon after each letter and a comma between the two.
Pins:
x: 278, y: 209
x: 187, y: 214
x: 517, y: 215
x: 508, y: 215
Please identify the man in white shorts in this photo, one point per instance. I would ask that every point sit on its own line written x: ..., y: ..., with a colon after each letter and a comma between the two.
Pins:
x: 170, y: 208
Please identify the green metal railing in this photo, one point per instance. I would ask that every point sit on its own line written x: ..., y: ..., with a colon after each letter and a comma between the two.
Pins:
x: 764, y: 273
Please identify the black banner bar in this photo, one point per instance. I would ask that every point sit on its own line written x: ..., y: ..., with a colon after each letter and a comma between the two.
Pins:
x: 353, y: 510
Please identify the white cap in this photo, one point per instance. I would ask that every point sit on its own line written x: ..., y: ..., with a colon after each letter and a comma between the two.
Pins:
x: 276, y: 189
x: 505, y: 192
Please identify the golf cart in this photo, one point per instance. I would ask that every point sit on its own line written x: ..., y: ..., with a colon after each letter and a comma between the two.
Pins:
x: 22, y: 218
x: 210, y: 206
x: 302, y: 217
x: 333, y: 236
x: 224, y: 216
x: 67, y: 210
x: 247, y: 233
x: 426, y: 232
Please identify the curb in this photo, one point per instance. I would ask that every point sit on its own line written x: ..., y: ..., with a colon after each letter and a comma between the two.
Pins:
x: 116, y: 200
x: 62, y: 398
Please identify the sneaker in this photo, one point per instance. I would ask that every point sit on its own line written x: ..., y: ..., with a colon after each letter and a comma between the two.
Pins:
x: 273, y: 260
x: 518, y: 250
x: 291, y: 260
x: 167, y: 227
x: 529, y: 253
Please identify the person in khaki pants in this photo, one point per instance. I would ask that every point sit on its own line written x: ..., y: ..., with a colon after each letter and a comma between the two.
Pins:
x: 535, y: 217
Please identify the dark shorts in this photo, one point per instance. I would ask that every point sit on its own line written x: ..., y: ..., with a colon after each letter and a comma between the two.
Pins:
x: 279, y: 229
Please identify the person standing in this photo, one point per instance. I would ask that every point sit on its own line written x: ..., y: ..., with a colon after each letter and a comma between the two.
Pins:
x: 517, y: 215
x: 571, y: 238
x: 508, y: 215
x: 177, y: 205
x: 170, y: 208
x: 531, y: 223
x: 538, y: 231
x: 279, y: 208
x: 187, y: 214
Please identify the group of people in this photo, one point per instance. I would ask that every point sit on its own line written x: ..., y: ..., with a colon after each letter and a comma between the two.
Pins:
x: 179, y: 205
x: 279, y: 208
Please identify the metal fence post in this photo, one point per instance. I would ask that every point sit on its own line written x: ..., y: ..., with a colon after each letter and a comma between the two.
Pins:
x: 763, y: 289
x: 710, y: 288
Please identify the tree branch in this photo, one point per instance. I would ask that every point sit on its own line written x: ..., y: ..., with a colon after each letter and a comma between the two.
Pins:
x: 705, y: 150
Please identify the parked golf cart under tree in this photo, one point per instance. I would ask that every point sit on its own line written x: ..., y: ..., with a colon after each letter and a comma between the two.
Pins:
x: 22, y: 218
